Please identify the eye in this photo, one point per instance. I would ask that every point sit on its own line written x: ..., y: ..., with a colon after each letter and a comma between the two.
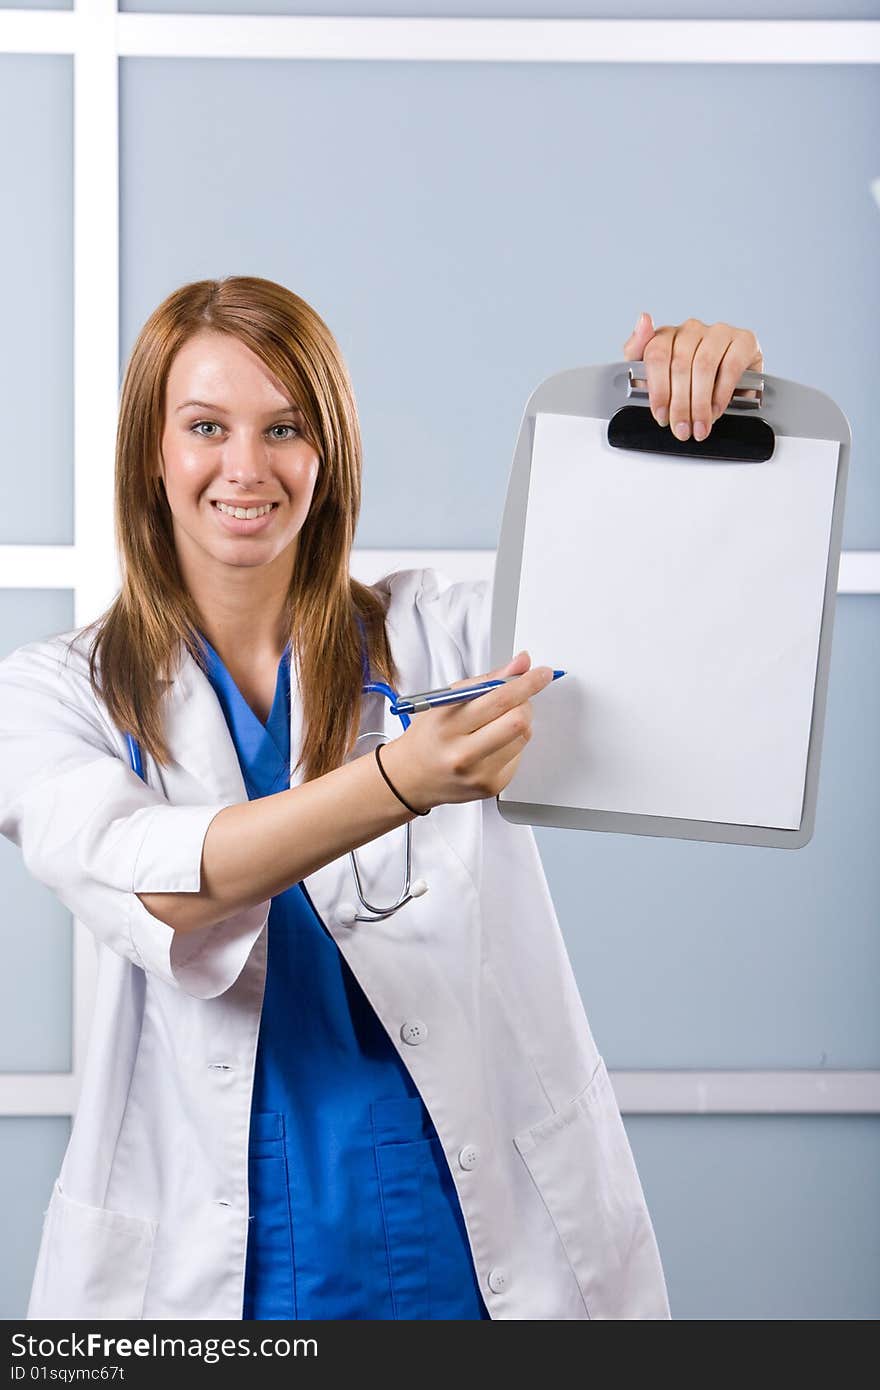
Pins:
x: 197, y: 426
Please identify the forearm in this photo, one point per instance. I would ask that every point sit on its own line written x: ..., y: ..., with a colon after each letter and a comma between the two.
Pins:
x: 255, y: 849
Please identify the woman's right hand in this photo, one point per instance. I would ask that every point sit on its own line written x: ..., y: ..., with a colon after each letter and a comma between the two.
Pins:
x: 468, y: 751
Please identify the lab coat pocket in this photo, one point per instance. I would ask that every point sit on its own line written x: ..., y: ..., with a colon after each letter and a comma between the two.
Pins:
x: 583, y: 1167
x: 92, y: 1263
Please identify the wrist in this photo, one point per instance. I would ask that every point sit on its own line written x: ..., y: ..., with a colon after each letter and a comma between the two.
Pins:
x: 395, y: 772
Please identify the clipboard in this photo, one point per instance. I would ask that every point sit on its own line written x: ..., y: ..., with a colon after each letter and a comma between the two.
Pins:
x: 599, y: 759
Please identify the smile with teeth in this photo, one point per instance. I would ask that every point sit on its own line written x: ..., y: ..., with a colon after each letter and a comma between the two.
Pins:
x: 245, y: 513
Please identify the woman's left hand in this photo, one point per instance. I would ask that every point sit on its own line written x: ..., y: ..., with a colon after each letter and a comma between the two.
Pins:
x: 692, y: 370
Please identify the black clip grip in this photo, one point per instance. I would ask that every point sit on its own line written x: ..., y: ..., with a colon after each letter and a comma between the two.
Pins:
x: 735, y: 438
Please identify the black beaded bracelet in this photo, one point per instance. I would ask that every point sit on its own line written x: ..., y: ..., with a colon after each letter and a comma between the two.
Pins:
x: 394, y: 789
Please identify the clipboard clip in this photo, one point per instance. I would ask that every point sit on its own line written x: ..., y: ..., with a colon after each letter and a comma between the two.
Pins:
x: 749, y: 381
x: 737, y: 436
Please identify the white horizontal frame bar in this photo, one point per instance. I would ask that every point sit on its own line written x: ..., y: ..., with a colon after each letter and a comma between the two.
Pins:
x: 453, y: 40
x: 501, y: 40
x: 370, y: 565
x: 59, y: 566
x: 638, y: 1093
x: 38, y: 566
x: 37, y: 1093
x: 792, y: 1092
x: 39, y: 31
x: 859, y: 572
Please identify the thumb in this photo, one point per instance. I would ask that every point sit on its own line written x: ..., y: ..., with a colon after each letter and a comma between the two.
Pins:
x: 637, y: 340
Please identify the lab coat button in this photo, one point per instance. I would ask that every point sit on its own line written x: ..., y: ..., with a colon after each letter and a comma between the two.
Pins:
x: 497, y: 1280
x: 414, y: 1031
x: 468, y: 1156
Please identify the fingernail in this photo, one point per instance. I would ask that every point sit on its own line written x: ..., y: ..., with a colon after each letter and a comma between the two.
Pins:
x: 639, y: 321
x: 699, y: 430
x: 681, y: 429
x: 662, y: 416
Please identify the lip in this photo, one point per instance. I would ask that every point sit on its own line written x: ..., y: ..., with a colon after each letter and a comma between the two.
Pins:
x: 242, y: 526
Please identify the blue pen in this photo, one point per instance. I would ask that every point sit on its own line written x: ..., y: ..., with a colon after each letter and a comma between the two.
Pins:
x: 430, y: 699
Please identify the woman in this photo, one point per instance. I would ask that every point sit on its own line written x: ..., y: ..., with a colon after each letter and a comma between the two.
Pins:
x: 285, y: 1112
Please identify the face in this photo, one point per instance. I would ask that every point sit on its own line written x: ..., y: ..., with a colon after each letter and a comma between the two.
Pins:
x: 243, y: 446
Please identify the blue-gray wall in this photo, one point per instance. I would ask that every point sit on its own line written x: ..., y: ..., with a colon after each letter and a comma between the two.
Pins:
x: 466, y: 229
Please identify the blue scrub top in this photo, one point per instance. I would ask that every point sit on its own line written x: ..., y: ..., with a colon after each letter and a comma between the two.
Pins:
x: 353, y: 1211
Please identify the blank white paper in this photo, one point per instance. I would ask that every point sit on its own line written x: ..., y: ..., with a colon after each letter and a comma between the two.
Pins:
x: 684, y: 600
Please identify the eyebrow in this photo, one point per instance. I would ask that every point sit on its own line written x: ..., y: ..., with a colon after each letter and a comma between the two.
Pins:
x: 221, y: 410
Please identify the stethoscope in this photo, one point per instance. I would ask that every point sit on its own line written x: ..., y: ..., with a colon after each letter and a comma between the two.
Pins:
x: 347, y: 912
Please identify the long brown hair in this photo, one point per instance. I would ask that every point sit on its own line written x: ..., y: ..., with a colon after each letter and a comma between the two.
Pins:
x: 139, y: 637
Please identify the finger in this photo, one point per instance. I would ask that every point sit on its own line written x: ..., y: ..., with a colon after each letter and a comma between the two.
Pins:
x: 656, y: 358
x: 707, y: 360
x: 641, y: 334
x: 503, y: 774
x: 474, y: 714
x: 755, y: 364
x: 515, y: 667
x: 687, y: 340
x: 740, y: 357
x: 491, y: 747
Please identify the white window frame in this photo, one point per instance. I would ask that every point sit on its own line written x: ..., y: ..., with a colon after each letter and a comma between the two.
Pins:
x: 96, y: 36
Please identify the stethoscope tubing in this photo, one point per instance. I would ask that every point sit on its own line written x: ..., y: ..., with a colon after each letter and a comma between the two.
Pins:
x: 380, y: 688
x: 347, y: 912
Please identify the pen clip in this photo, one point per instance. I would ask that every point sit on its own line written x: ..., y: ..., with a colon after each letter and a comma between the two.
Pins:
x: 422, y: 694
x: 408, y: 704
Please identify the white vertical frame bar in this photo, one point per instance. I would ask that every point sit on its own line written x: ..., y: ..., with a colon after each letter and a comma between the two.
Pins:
x: 96, y: 35
x: 95, y: 375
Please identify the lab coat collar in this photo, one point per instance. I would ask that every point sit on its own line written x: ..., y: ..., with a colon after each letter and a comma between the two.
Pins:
x: 200, y: 741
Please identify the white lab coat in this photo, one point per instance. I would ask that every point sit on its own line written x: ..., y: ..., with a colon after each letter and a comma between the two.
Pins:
x: 149, y: 1215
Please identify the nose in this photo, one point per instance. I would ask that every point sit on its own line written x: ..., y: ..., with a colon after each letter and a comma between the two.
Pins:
x: 246, y: 460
